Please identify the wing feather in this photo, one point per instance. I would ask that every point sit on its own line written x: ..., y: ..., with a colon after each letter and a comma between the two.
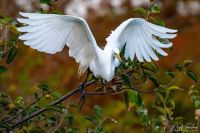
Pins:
x: 153, y: 45
x: 138, y: 50
x: 160, y: 34
x: 29, y: 21
x: 144, y: 49
x: 49, y: 33
x: 160, y: 28
x: 37, y: 16
x: 141, y: 38
x: 148, y: 48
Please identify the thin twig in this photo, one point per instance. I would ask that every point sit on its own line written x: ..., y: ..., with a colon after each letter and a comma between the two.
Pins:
x: 142, y: 91
x: 59, y: 124
x: 104, y: 119
x: 104, y: 93
x: 170, y: 83
x: 35, y: 101
x: 71, y: 93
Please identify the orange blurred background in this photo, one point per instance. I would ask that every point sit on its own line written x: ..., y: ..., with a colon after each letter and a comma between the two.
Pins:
x: 32, y: 67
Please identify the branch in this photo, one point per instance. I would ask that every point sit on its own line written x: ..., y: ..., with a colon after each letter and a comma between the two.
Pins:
x: 35, y: 101
x: 71, y: 93
x: 79, y: 89
x: 104, y: 93
x: 118, y: 92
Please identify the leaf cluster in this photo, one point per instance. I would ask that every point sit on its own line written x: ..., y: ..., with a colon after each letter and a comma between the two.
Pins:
x: 129, y: 82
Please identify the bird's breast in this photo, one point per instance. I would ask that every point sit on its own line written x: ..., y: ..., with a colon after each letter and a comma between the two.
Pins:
x: 102, y: 66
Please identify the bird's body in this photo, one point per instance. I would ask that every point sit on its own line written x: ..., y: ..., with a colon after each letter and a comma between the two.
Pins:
x: 49, y: 33
x: 102, y: 66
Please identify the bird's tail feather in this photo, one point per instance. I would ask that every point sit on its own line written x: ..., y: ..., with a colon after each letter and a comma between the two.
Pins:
x: 82, y: 70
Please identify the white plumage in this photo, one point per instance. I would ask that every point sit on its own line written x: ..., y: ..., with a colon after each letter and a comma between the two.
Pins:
x: 49, y: 33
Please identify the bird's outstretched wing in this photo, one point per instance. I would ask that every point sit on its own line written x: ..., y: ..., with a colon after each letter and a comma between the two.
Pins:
x: 49, y: 33
x: 141, y: 38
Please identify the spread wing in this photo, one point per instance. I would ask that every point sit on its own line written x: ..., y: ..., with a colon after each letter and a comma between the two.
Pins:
x: 141, y: 38
x: 49, y: 33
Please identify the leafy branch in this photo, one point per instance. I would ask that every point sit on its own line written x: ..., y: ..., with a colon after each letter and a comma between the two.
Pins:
x: 129, y: 81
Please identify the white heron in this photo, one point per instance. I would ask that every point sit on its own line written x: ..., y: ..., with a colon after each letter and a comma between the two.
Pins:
x: 50, y: 32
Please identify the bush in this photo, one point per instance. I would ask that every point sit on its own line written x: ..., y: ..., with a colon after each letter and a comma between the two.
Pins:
x: 47, y: 112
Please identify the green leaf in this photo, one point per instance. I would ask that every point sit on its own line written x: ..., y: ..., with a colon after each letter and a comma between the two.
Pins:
x: 11, y: 55
x: 122, y: 53
x: 192, y: 75
x: 160, y: 109
x: 4, y: 126
x: 19, y: 100
x: 69, y: 118
x: 193, y: 92
x: 194, y: 98
x: 135, y: 98
x: 54, y: 108
x: 141, y: 11
x: 197, y: 104
x: 92, y: 119
x: 160, y: 97
x: 165, y: 41
x: 3, y: 69
x: 5, y: 20
x: 154, y: 80
x: 154, y: 67
x: 98, y: 111
x: 187, y: 62
x: 32, y: 110
x: 57, y: 12
x: 4, y: 102
x: 3, y: 95
x: 37, y: 130
x: 52, y: 120
x: 43, y: 87
x: 126, y: 80
x: 143, y: 75
x: 174, y: 88
x: 179, y: 67
x: 156, y: 21
x: 171, y: 74
x: 56, y: 94
x: 143, y: 113
x: 150, y: 66
x: 172, y: 103
x: 13, y: 29
x: 45, y: 2
x: 126, y: 99
x: 171, y: 49
x: 154, y: 8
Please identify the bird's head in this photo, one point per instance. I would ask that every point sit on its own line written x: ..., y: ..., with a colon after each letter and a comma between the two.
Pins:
x: 117, y: 54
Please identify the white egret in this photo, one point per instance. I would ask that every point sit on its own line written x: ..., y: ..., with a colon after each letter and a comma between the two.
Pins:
x: 49, y: 33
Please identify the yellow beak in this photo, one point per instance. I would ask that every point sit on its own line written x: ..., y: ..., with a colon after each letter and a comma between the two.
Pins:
x: 118, y: 57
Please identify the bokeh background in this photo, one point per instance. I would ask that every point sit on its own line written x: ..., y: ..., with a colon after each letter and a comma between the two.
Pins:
x: 31, y: 67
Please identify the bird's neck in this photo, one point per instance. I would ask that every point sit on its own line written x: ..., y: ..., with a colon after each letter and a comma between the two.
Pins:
x: 108, y: 47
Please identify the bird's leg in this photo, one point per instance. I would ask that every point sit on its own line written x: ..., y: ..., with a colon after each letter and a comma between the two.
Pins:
x: 82, y: 87
x: 83, y: 96
x: 82, y: 90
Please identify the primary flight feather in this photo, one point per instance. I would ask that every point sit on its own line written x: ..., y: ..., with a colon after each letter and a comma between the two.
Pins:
x: 49, y: 33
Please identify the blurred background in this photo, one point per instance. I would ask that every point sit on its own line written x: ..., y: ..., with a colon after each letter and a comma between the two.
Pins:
x: 31, y: 67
